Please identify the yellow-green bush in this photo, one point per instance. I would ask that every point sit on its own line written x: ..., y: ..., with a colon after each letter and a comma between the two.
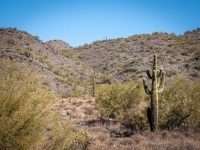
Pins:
x: 82, y: 139
x: 60, y: 137
x: 124, y: 102
x: 64, y: 137
x: 77, y: 92
x: 23, y: 116
x: 179, y: 105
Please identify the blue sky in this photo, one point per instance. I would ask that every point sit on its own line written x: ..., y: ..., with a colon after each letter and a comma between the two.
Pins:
x: 83, y: 21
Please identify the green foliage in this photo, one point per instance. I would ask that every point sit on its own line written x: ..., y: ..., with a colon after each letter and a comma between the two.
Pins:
x: 171, y: 72
x: 123, y: 102
x: 20, y: 36
x: 197, y: 66
x: 179, y: 105
x: 83, y: 139
x: 50, y: 65
x: 58, y: 72
x: 11, y: 41
x: 23, y: 116
x: 27, y: 52
x: 77, y: 92
x: 61, y: 136
x: 135, y: 117
x: 105, y: 78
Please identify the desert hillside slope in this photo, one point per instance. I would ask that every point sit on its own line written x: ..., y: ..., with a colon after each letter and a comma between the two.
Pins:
x: 56, y: 70
x: 128, y: 58
x: 65, y: 68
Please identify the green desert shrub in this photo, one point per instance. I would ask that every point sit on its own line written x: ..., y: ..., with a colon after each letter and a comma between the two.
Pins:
x: 58, y: 72
x: 179, y: 105
x: 77, y: 92
x: 83, y: 139
x: 26, y: 119
x: 197, y: 66
x: 124, y: 102
x: 60, y: 136
x: 64, y: 137
x: 23, y: 101
x: 11, y: 41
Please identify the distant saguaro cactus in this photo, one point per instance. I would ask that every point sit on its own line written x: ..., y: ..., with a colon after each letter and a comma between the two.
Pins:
x: 94, y: 84
x: 158, y: 79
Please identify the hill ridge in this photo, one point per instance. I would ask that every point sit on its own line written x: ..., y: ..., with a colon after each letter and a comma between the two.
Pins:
x: 56, y: 69
x: 65, y: 68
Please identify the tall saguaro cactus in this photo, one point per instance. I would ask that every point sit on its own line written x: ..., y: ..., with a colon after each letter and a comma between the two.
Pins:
x: 158, y: 79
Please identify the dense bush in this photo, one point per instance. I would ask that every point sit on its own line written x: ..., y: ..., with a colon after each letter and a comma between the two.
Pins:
x: 60, y: 137
x: 64, y: 137
x: 26, y: 121
x: 82, y: 139
x: 23, y: 116
x: 124, y: 102
x: 179, y: 105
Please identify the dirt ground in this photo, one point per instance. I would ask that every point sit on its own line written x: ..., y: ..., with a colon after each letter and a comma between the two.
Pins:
x: 111, y: 135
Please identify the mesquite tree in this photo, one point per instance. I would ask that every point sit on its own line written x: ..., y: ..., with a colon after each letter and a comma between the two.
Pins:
x: 158, y: 79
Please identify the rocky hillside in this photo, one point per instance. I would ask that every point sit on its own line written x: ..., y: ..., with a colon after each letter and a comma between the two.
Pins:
x: 57, y: 45
x: 59, y: 72
x: 67, y: 70
x: 128, y: 58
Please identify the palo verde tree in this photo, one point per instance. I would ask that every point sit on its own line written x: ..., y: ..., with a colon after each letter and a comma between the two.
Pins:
x: 24, y: 114
x: 158, y: 79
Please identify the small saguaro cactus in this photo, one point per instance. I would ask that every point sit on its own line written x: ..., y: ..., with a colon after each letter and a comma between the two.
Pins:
x: 158, y: 79
x: 94, y: 84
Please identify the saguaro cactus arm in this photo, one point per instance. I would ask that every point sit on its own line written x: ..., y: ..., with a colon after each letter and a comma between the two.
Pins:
x: 149, y: 74
x: 159, y: 73
x: 161, y: 86
x: 146, y: 87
